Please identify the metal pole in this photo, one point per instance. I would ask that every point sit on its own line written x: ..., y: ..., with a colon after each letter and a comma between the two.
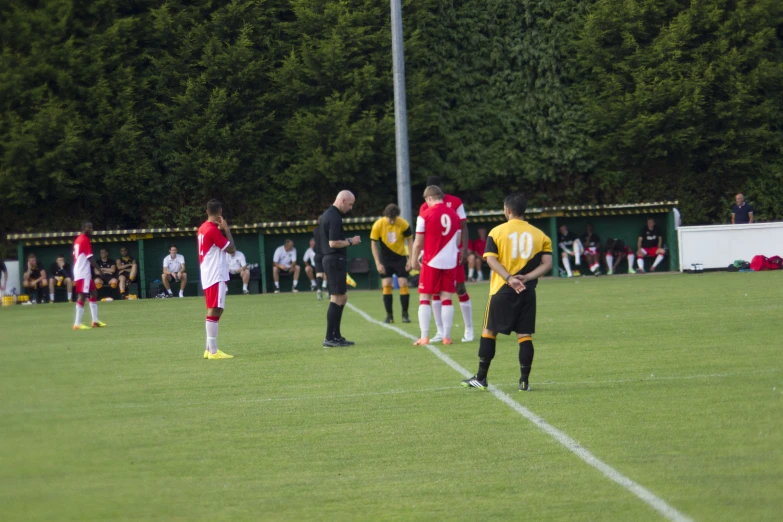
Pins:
x: 400, y: 115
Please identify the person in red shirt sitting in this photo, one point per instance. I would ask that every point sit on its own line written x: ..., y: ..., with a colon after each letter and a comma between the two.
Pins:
x: 476, y: 255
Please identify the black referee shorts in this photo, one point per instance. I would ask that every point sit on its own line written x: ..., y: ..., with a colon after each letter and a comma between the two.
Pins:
x: 336, y: 270
x: 318, y: 263
x: 509, y: 312
x: 394, y: 266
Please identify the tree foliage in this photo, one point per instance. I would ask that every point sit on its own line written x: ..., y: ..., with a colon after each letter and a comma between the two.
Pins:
x: 134, y: 113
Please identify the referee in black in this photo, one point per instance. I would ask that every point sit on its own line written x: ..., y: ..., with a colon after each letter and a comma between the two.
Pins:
x: 333, y: 245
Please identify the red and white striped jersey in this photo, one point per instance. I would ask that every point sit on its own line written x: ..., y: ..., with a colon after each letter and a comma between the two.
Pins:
x: 441, y: 228
x: 82, y: 252
x: 212, y: 257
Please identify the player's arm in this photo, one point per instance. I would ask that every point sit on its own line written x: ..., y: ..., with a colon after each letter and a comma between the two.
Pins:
x: 541, y: 270
x: 181, y: 269
x: 377, y: 256
x: 223, y: 225
x: 463, y: 253
x: 418, y: 245
x: 94, y: 265
x: 750, y: 217
x: 733, y: 215
x: 165, y: 268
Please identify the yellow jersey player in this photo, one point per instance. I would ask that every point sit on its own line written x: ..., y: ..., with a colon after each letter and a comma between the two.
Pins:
x: 518, y: 254
x: 390, y: 236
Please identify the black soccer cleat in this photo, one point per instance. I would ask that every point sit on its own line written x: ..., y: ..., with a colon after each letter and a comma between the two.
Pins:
x: 389, y: 319
x: 331, y: 343
x: 473, y: 382
x: 344, y: 342
x: 406, y: 319
x: 524, y: 385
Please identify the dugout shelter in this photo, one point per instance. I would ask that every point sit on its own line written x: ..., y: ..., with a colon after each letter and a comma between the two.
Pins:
x: 258, y: 241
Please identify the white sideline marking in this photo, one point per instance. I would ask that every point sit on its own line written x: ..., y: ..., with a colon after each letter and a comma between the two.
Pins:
x: 658, y: 504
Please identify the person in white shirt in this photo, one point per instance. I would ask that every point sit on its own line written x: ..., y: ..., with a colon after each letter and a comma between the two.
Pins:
x: 237, y: 269
x: 173, y: 271
x: 309, y: 263
x: 284, y: 263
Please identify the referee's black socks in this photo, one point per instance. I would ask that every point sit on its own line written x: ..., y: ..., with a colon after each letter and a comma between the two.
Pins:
x: 387, y: 299
x: 486, y: 353
x: 333, y: 315
x: 337, y: 333
x: 525, y: 356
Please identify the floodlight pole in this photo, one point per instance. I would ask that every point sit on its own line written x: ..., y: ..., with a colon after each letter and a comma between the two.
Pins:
x: 400, y: 114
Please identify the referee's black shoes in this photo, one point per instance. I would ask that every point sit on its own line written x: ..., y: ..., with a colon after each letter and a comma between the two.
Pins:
x: 474, y: 382
x: 337, y: 343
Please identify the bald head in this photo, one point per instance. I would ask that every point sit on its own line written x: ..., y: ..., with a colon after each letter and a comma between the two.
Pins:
x: 344, y: 201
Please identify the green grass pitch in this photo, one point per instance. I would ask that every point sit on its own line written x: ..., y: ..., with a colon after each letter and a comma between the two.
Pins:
x: 673, y: 380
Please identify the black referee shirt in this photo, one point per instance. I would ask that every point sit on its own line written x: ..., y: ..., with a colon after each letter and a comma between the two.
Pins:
x: 331, y: 229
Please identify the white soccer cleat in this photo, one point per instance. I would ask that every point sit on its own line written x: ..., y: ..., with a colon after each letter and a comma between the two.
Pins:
x: 438, y: 338
x: 468, y: 337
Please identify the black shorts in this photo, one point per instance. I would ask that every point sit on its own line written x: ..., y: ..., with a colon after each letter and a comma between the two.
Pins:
x: 318, y: 263
x: 509, y: 312
x: 124, y: 273
x: 106, y: 278
x: 395, y: 267
x: 336, y: 270
x: 235, y: 277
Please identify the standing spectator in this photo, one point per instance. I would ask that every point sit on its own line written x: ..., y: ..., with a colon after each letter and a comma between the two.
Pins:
x: 592, y: 245
x: 107, y: 271
x: 476, y: 249
x: 650, y: 244
x: 237, y: 269
x: 309, y: 263
x: 334, y: 247
x: 3, y: 277
x: 284, y: 262
x: 616, y: 249
x: 127, y: 271
x: 34, y: 279
x: 60, y: 272
x: 570, y: 246
x: 389, y: 236
x: 173, y: 271
x: 742, y: 212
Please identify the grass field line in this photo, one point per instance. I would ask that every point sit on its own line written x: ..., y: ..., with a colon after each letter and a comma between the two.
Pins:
x: 649, y: 498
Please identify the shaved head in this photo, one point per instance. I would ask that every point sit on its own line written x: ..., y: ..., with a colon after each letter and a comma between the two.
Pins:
x: 344, y: 201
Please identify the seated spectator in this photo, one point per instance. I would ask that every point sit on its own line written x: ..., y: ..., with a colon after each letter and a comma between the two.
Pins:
x: 616, y: 249
x: 60, y: 274
x: 174, y: 271
x: 476, y: 255
x: 3, y: 277
x: 650, y: 244
x: 34, y: 279
x: 592, y: 245
x: 284, y: 263
x: 309, y: 263
x: 570, y: 246
x: 237, y: 269
x: 127, y: 270
x: 108, y: 271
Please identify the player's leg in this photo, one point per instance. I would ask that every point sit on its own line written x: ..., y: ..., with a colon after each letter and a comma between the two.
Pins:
x: 578, y: 250
x: 566, y: 264
x: 447, y: 316
x: 297, y: 271
x: 69, y: 288
x: 183, y: 281
x: 405, y: 298
x: 525, y: 360
x: 310, y: 273
x: 51, y: 289
x: 471, y: 267
x: 82, y: 288
x: 486, y: 350
x: 335, y: 269
x: 123, y: 283
x: 426, y: 294
x: 609, y: 262
x: 436, y: 313
x: 245, y: 274
x: 96, y: 323
x: 215, y: 297
x: 479, y: 266
x: 114, y: 283
x: 465, y: 305
x: 659, y: 254
x: 388, y: 298
x: 134, y: 272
